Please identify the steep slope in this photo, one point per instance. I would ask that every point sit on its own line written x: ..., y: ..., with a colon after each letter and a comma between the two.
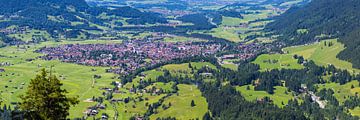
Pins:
x: 322, y: 19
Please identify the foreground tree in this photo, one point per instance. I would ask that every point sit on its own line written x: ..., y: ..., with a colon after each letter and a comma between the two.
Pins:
x: 45, y: 100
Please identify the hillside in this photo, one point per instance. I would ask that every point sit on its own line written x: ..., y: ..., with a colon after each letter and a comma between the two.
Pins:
x: 319, y: 20
x: 65, y: 19
x: 180, y: 59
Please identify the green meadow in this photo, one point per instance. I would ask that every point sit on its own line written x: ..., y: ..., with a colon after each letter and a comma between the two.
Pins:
x: 229, y: 63
x: 138, y: 107
x: 230, y: 30
x: 318, y: 52
x: 342, y: 92
x: 184, y: 69
x: 180, y: 104
x: 230, y: 66
x: 277, y: 61
x: 28, y: 35
x: 182, y: 39
x: 279, y: 98
x: 174, y: 69
x: 322, y: 54
x: 355, y: 112
x: 77, y: 79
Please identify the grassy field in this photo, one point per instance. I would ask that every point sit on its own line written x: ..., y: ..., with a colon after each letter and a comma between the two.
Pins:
x: 277, y: 61
x: 128, y: 110
x: 182, y: 39
x: 318, y: 52
x: 77, y: 79
x: 180, y: 104
x: 230, y: 21
x: 342, y: 92
x: 280, y: 98
x: 182, y: 69
x: 230, y: 30
x: 321, y: 54
x: 28, y: 35
x: 174, y: 69
x: 230, y: 66
x: 136, y: 107
x: 229, y: 63
x: 235, y: 34
x: 355, y: 112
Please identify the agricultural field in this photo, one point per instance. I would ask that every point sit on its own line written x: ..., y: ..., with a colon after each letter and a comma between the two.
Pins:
x: 230, y: 66
x: 322, y: 54
x: 355, y: 112
x: 277, y: 61
x: 182, y: 39
x: 183, y: 69
x: 174, y: 69
x: 318, y: 52
x: 29, y: 35
x: 181, y: 104
x: 237, y: 29
x: 342, y: 92
x: 280, y: 96
x: 229, y: 63
x: 77, y: 79
x: 137, y: 106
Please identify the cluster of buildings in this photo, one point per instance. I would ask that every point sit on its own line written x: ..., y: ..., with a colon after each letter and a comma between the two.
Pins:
x: 128, y: 56
x: 14, y: 30
x: 2, y: 64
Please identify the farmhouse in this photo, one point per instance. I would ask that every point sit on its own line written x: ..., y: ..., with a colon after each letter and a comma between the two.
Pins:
x: 206, y: 74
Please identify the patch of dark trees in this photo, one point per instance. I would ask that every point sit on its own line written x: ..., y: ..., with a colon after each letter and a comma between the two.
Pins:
x: 231, y: 13
x: 226, y: 103
x: 200, y: 21
x: 9, y: 41
x: 137, y: 17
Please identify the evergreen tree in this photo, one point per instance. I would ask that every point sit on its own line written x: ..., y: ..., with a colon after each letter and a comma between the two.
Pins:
x: 45, y: 100
x: 192, y: 103
x: 207, y: 116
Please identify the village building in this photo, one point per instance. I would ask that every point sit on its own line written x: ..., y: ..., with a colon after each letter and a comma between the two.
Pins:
x: 2, y: 70
x: 206, y: 74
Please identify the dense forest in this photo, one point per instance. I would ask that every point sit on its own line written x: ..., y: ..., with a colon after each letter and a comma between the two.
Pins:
x: 137, y: 16
x: 225, y: 102
x: 322, y: 19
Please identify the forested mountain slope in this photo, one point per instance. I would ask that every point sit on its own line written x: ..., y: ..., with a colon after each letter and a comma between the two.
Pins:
x: 69, y: 18
x: 322, y: 19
